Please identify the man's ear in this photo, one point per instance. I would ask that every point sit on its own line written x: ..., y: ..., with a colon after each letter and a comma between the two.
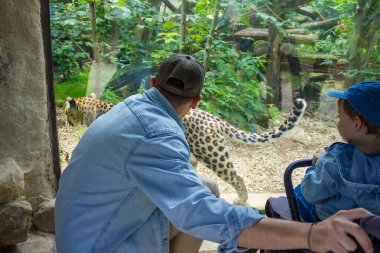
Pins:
x: 153, y: 81
x: 195, y: 102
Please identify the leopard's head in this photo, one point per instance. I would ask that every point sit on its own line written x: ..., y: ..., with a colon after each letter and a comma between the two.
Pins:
x: 72, y: 112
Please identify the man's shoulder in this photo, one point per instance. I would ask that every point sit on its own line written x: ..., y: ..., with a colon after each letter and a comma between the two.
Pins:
x: 154, y: 118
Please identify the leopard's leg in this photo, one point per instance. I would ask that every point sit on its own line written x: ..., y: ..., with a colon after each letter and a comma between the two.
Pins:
x: 220, y: 163
x: 211, y: 184
x: 193, y: 161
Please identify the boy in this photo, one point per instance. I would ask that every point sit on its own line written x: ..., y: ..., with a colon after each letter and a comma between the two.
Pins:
x: 347, y: 175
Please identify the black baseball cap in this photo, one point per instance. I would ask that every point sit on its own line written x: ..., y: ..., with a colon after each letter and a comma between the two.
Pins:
x: 182, y: 75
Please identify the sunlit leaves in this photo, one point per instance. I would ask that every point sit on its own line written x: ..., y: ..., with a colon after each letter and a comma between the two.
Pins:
x: 169, y: 25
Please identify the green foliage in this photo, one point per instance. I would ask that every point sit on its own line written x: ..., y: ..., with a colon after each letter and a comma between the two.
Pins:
x: 368, y: 73
x: 273, y: 113
x: 333, y: 44
x: 334, y: 8
x: 69, y: 49
x: 233, y: 90
x: 133, y: 33
x: 111, y: 97
x: 336, y: 40
x: 75, y: 86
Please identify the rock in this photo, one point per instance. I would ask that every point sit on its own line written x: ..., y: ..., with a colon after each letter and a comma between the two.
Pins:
x: 11, y: 180
x: 43, y: 218
x: 15, y: 220
x: 38, y: 242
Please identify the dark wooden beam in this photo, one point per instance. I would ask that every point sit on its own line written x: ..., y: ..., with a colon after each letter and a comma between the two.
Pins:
x: 170, y: 5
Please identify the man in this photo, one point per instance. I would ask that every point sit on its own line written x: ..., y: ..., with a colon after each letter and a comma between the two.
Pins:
x: 130, y: 187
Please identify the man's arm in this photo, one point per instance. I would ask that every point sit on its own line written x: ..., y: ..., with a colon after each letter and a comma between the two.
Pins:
x: 330, y: 234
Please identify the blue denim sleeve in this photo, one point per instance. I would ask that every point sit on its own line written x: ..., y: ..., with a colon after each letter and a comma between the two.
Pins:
x: 320, y: 184
x: 160, y: 167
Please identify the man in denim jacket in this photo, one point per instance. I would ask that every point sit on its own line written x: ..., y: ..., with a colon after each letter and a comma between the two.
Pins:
x: 347, y: 175
x: 130, y: 186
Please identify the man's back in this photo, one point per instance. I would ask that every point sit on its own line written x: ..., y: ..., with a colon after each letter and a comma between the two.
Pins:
x: 96, y: 193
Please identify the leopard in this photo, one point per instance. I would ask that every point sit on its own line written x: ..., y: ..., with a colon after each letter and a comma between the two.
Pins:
x: 207, y: 135
x: 84, y: 110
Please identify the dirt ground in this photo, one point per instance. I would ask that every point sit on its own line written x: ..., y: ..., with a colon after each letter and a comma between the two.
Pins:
x: 261, y: 166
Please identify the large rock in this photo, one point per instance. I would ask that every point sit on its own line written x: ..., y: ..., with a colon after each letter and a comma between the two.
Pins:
x: 15, y: 220
x: 38, y: 242
x: 11, y: 180
x: 26, y: 108
x: 43, y: 218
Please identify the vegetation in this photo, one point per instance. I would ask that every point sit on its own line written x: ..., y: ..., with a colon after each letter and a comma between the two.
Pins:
x: 75, y: 86
x: 317, y: 39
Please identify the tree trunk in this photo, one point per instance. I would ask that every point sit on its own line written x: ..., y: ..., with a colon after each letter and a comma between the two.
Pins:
x: 211, y: 35
x: 364, y: 37
x: 145, y: 34
x: 95, y: 45
x: 183, y: 27
x: 273, y: 79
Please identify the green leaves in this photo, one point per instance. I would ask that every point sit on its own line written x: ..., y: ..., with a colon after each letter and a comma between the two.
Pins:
x: 233, y: 88
x: 169, y: 25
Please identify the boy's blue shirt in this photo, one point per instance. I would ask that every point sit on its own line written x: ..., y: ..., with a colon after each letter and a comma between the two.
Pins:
x: 344, y: 178
x: 128, y: 176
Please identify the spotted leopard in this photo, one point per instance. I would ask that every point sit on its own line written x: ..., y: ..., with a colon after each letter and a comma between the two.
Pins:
x: 84, y: 110
x: 207, y: 135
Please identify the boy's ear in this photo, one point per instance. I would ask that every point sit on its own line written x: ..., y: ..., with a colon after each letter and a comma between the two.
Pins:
x: 358, y: 123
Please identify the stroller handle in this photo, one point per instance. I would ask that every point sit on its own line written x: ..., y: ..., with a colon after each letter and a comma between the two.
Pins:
x: 289, y: 185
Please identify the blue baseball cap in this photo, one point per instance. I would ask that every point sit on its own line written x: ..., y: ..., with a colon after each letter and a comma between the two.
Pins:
x: 364, y: 98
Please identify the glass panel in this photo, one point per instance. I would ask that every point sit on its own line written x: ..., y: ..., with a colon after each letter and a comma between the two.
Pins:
x: 260, y: 56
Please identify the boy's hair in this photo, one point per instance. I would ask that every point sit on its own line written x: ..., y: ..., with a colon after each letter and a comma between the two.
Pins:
x: 351, y: 112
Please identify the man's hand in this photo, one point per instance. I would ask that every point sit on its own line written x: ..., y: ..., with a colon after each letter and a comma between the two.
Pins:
x: 332, y: 233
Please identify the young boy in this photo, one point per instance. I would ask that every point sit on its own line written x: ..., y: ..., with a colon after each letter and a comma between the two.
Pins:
x: 347, y: 175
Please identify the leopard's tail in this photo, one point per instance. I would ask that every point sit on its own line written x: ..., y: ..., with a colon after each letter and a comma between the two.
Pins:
x: 293, y: 119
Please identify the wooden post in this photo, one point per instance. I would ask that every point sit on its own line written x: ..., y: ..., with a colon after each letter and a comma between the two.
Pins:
x: 183, y: 27
x: 211, y: 34
x: 273, y: 77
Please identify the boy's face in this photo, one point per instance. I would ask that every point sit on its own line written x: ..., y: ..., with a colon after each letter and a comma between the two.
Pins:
x: 346, y: 126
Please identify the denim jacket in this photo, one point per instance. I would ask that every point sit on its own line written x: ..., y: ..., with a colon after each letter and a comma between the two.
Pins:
x: 129, y: 176
x: 344, y: 178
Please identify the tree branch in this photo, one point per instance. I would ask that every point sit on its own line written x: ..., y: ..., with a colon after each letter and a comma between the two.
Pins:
x: 170, y: 5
